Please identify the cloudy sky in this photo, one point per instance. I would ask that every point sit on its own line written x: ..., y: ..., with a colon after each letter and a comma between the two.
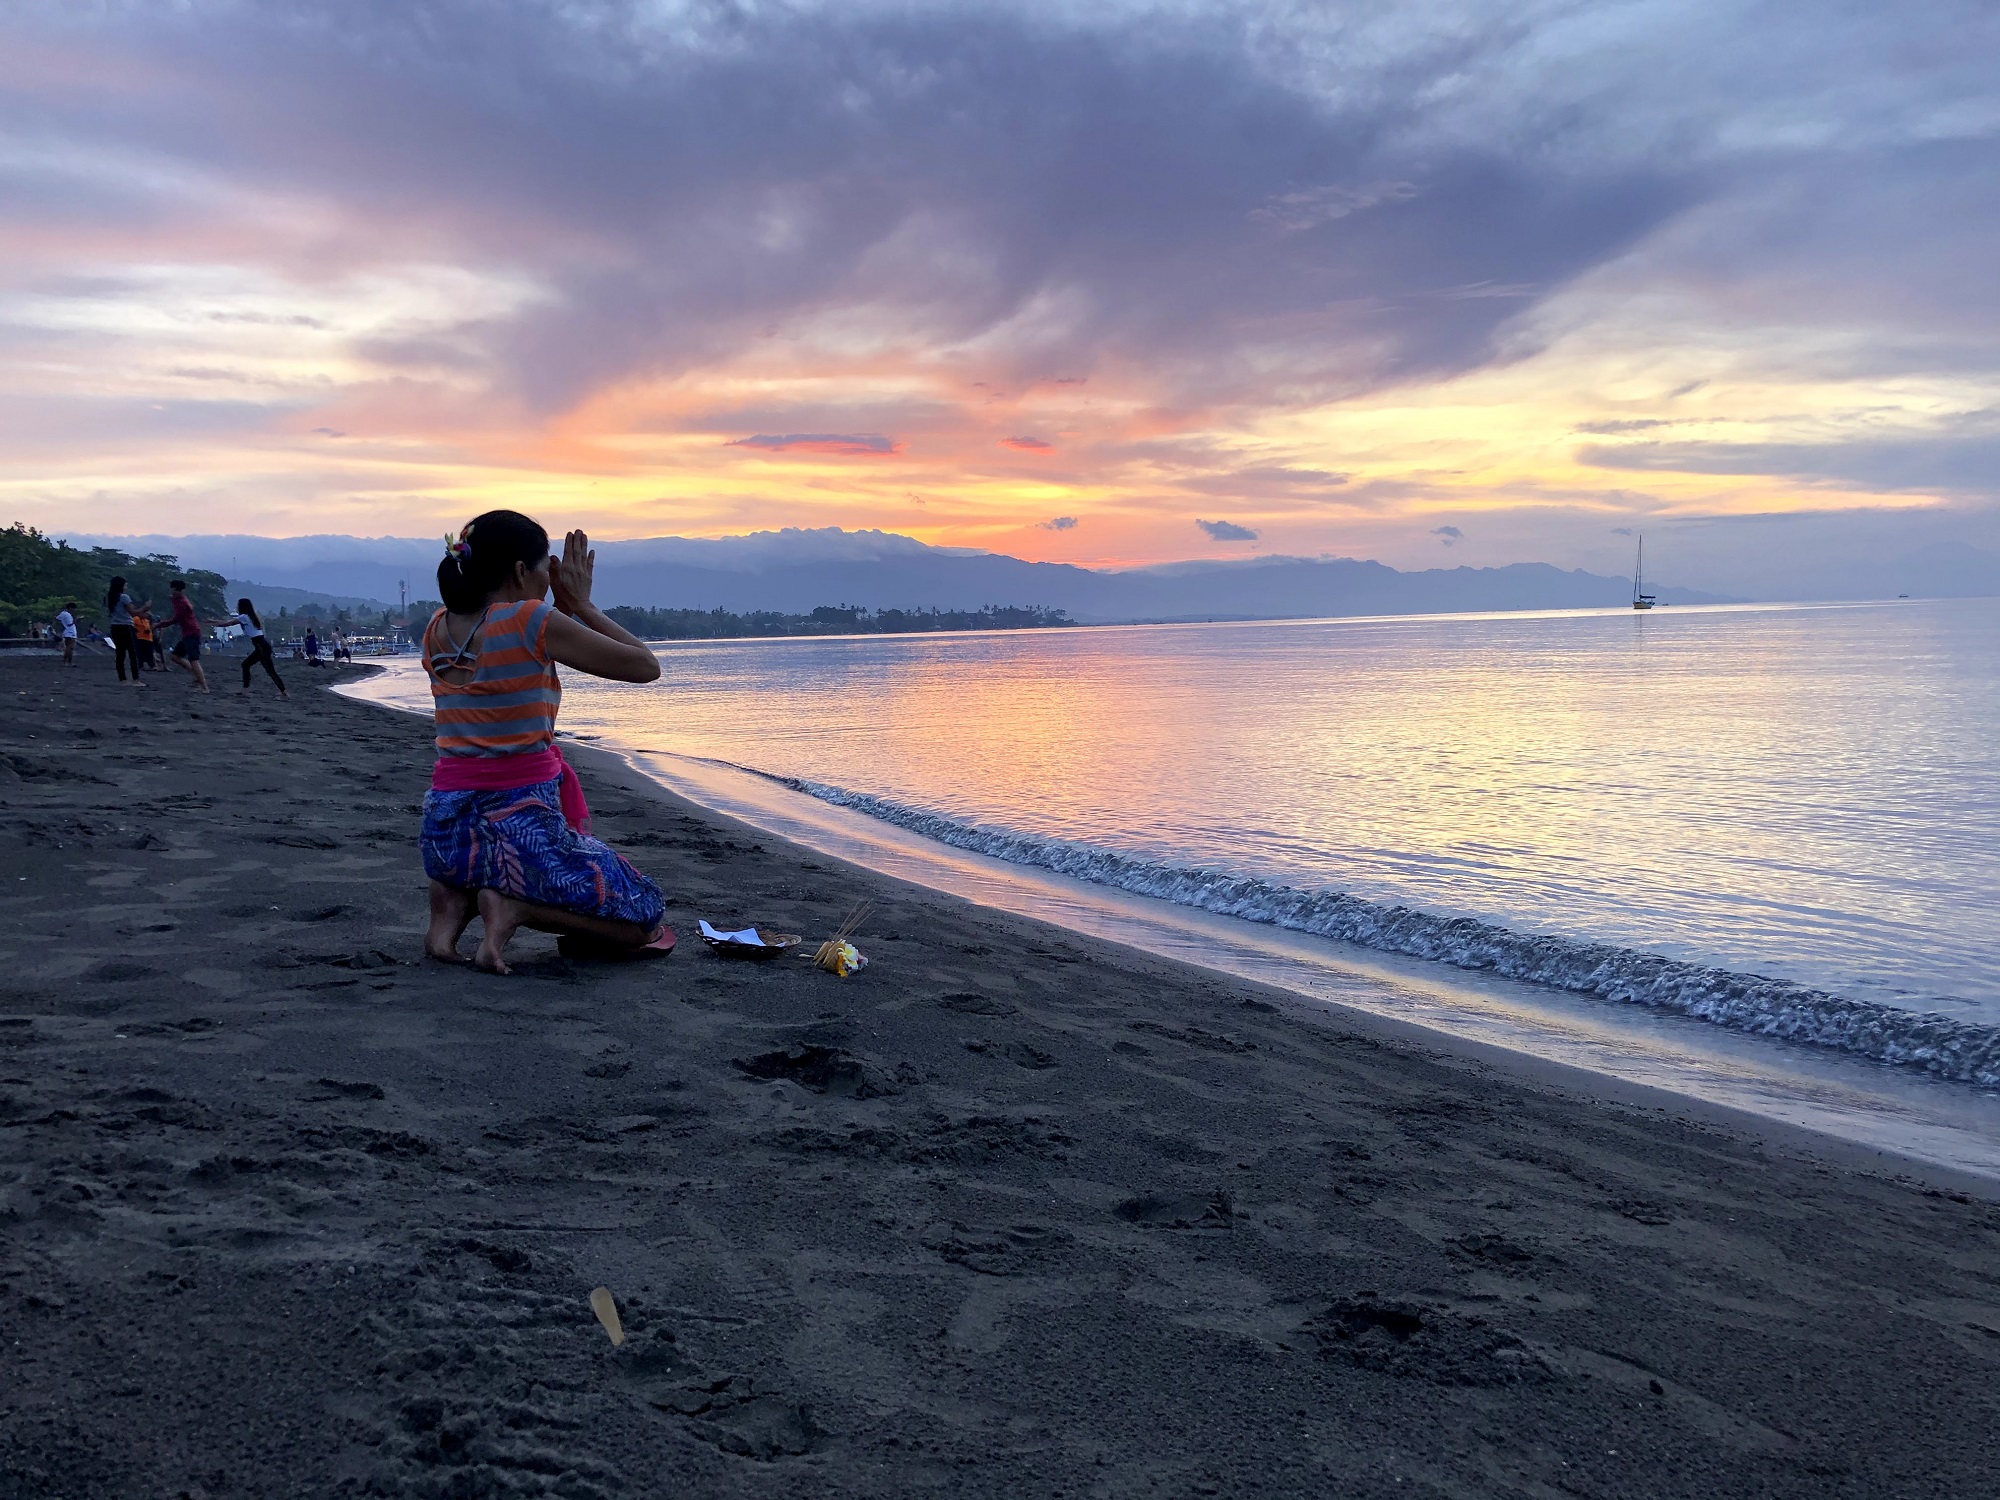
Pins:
x: 1436, y: 281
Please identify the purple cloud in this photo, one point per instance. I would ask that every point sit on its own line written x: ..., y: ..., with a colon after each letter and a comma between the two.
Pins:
x: 1217, y: 211
x: 835, y: 444
x: 1199, y: 208
x: 1227, y: 531
x: 1266, y: 479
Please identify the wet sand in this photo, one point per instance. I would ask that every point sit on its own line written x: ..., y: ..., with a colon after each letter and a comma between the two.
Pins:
x: 286, y: 1211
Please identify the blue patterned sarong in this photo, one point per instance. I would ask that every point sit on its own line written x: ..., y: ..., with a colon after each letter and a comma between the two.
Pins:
x: 517, y: 843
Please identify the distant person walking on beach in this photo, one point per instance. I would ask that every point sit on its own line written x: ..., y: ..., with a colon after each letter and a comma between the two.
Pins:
x: 124, y: 642
x: 260, y: 646
x: 187, y: 650
x: 506, y: 833
x: 66, y: 628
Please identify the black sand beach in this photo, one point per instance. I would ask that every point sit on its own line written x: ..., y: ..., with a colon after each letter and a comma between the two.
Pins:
x: 285, y: 1211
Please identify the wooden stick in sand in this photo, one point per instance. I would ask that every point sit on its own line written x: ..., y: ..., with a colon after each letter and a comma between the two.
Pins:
x: 606, y: 1307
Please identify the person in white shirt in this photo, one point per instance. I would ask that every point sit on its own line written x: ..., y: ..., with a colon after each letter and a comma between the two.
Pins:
x: 246, y: 619
x: 66, y: 628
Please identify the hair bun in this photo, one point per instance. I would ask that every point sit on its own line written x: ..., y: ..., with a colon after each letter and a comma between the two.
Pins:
x: 467, y: 576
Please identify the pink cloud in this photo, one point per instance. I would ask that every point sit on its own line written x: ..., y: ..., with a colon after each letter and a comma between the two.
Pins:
x: 1028, y: 444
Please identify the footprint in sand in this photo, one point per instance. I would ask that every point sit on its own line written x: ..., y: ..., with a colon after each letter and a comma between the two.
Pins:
x: 969, y: 1004
x: 1018, y: 1053
x: 325, y: 1089
x: 1178, y: 1210
x: 823, y: 1070
x: 1415, y: 1340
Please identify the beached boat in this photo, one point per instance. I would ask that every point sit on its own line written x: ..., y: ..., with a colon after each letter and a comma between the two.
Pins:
x: 1640, y: 598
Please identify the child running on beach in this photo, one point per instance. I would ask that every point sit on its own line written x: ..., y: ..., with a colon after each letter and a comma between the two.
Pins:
x: 506, y: 832
x: 187, y: 650
x: 142, y: 636
x: 260, y: 646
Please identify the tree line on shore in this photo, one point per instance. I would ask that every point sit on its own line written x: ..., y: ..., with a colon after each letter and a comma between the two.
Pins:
x: 351, y: 620
x: 38, y: 577
x: 828, y: 619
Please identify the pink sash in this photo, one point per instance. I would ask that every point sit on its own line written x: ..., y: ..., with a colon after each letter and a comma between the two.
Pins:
x: 502, y: 773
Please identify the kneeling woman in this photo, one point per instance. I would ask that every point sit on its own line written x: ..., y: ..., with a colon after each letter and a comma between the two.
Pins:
x: 506, y: 833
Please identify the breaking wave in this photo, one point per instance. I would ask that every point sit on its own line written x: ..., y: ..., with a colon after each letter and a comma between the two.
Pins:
x: 1744, y: 1002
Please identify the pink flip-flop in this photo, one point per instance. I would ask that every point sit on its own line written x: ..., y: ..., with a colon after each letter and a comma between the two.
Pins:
x: 575, y: 945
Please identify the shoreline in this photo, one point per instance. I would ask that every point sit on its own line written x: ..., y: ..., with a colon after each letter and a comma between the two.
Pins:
x: 1569, y: 1080
x: 1013, y: 1211
x: 1528, y: 1066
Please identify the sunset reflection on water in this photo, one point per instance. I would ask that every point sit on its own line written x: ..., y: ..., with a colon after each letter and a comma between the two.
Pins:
x: 1808, y: 792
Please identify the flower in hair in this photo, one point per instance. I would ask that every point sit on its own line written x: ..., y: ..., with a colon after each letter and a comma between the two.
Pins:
x: 458, y: 549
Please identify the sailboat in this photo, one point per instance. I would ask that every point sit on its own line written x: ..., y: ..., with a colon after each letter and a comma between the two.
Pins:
x: 1640, y: 598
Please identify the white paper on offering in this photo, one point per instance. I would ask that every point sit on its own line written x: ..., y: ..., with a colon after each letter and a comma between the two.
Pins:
x: 746, y: 935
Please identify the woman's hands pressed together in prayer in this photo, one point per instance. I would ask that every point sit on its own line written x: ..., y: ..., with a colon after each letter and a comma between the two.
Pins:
x: 570, y: 575
x: 583, y: 636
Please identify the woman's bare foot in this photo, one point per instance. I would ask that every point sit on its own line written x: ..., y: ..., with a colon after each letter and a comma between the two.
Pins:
x: 505, y: 915
x: 502, y: 916
x: 452, y: 912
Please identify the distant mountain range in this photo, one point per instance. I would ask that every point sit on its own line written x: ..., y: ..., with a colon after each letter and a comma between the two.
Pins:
x: 797, y: 570
x: 269, y: 596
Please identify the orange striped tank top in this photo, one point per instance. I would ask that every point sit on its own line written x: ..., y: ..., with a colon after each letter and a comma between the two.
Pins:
x: 508, y: 706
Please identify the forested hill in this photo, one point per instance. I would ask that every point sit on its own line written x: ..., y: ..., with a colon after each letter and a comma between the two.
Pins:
x: 38, y: 577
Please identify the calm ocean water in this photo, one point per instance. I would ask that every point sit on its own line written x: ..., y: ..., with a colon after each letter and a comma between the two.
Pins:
x: 1785, y: 821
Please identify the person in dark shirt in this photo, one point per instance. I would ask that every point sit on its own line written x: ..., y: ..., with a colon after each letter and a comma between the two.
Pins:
x: 187, y: 651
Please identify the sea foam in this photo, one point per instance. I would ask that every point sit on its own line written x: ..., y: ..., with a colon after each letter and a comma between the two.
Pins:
x: 1744, y: 1002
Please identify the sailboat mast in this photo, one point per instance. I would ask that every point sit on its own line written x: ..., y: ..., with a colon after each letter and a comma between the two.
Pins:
x: 1640, y: 598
